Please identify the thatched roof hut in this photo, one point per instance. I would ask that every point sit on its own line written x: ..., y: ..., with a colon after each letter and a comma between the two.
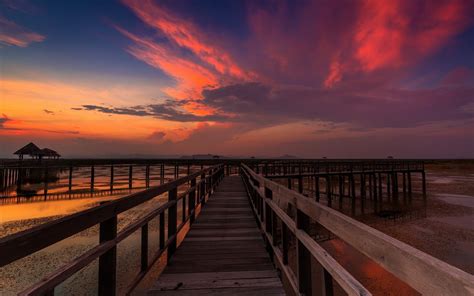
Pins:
x: 30, y: 149
x: 34, y: 151
x: 50, y: 153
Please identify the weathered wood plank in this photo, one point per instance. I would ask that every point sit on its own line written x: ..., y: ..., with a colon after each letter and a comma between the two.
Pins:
x: 253, y: 291
x: 223, y: 253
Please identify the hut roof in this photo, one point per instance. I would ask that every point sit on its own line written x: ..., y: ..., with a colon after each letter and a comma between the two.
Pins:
x: 28, y: 149
x: 48, y: 152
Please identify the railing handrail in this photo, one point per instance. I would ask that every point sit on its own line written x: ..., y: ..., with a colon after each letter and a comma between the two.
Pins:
x: 421, y: 271
x: 347, y: 282
x: 106, y: 216
x: 26, y: 242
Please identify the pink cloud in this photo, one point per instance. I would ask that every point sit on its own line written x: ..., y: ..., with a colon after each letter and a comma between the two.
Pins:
x: 335, y: 74
x: 14, y: 34
x: 299, y: 44
x: 389, y: 34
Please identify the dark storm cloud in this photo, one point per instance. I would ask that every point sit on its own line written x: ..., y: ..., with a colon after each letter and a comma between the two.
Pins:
x: 169, y: 110
x: 373, y: 108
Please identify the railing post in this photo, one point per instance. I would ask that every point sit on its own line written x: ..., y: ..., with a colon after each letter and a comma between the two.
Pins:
x: 183, y: 210
x: 203, y: 188
x: 162, y: 231
x: 108, y: 261
x: 144, y: 250
x: 172, y: 221
x: 303, y: 256
x: 192, y: 202
x: 268, y: 213
x: 327, y: 287
x: 285, y: 242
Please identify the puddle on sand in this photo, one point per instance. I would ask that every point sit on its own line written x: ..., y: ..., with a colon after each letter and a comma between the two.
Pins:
x: 457, y: 199
x: 24, y: 211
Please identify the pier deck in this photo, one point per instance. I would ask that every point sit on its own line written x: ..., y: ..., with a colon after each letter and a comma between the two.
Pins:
x: 223, y: 253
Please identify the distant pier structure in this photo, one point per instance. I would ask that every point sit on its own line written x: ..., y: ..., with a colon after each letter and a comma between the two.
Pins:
x: 16, y: 173
x: 36, y: 153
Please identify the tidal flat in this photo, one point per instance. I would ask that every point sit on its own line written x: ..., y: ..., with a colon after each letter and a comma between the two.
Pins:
x: 445, y: 231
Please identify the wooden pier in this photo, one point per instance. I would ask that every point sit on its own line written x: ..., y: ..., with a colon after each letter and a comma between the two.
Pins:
x: 248, y: 235
x: 223, y: 253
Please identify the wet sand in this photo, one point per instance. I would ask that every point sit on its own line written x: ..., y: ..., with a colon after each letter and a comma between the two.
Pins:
x: 447, y: 230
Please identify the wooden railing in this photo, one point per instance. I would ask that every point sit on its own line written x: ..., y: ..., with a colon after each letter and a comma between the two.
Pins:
x: 424, y: 273
x: 24, y: 243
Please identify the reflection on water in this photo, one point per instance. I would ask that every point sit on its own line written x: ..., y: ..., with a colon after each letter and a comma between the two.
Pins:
x: 14, y: 212
x: 80, y: 181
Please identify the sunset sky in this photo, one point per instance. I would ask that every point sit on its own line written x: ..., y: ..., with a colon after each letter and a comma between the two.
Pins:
x: 343, y: 79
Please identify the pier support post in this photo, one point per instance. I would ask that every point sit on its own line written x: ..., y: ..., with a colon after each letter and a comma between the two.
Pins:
x: 371, y: 195
x: 45, y: 182
x: 423, y: 181
x: 130, y: 177
x: 316, y: 184
x: 111, y: 178
x: 404, y: 184
x: 409, y: 184
x: 329, y: 190
x: 70, y: 179
x: 341, y: 189
x: 388, y: 186
x: 395, y: 186
x: 300, y: 184
x: 147, y: 176
x: 162, y: 173
x: 380, y: 187
x: 353, y: 193
x: 92, y: 178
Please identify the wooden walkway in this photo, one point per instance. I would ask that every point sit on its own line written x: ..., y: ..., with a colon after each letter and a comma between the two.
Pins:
x: 223, y: 253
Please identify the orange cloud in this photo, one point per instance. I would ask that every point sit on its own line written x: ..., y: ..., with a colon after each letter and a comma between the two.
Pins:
x: 186, y: 35
x: 191, y: 76
x: 24, y: 102
x: 14, y: 34
x: 209, y: 66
